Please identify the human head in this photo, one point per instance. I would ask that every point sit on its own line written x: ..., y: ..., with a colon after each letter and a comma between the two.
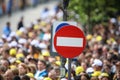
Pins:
x: 83, y: 77
x: 12, y: 52
x: 79, y: 70
x: 45, y: 54
x: 32, y: 79
x: 5, y: 54
x: 107, y: 68
x: 84, y: 65
x: 5, y: 63
x: 25, y: 77
x: 15, y: 71
x: 94, y: 78
x: 97, y: 64
x: 2, y: 69
x: 41, y: 65
x: 22, y: 67
x: 8, y: 24
x: 52, y: 74
x: 32, y: 68
x: 104, y: 76
x: 118, y: 65
x: 9, y: 75
x: 57, y: 70
x: 17, y: 78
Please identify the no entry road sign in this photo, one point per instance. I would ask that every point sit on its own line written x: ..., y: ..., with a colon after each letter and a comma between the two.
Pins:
x: 56, y: 26
x: 69, y: 41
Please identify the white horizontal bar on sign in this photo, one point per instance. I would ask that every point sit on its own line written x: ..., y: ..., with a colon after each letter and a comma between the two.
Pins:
x: 69, y: 42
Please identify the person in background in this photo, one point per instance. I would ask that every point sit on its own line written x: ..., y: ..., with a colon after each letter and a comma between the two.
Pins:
x: 117, y: 74
x: 16, y: 74
x: 97, y: 65
x: 20, y: 23
x: 3, y: 7
x: 52, y: 74
x: 94, y: 78
x: 9, y: 75
x: 5, y: 63
x: 1, y: 11
x: 25, y: 77
x: 5, y: 54
x: 9, y: 7
x: 7, y: 29
x: 22, y: 67
x: 23, y: 4
x: 2, y: 70
x: 104, y: 76
x: 41, y: 72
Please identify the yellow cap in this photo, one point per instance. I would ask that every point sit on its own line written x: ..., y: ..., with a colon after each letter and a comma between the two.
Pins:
x: 30, y: 75
x: 104, y: 75
x: 47, y: 78
x: 12, y: 52
x: 19, y: 55
x: 58, y: 63
x: 111, y: 40
x: 96, y: 74
x: 12, y: 67
x: 36, y: 27
x: 18, y: 61
x: 79, y: 69
x: 42, y: 23
x: 98, y: 38
x: 45, y: 53
x: 41, y: 57
x: 89, y: 37
x: 19, y: 33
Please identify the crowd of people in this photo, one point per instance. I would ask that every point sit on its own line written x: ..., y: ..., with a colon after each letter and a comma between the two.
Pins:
x: 9, y: 6
x: 25, y: 54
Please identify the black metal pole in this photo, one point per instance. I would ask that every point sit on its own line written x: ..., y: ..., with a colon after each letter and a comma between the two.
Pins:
x: 65, y: 5
x: 69, y: 69
x: 65, y: 15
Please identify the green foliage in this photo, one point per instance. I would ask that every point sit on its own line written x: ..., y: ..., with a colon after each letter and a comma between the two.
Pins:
x: 92, y: 11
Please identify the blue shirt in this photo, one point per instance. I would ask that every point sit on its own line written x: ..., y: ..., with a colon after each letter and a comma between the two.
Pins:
x: 6, y: 31
x: 41, y: 74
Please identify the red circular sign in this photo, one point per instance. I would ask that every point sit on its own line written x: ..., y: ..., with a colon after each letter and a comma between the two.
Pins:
x: 69, y: 41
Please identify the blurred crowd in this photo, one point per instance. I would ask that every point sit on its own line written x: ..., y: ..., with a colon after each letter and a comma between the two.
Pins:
x: 25, y: 53
x: 8, y: 6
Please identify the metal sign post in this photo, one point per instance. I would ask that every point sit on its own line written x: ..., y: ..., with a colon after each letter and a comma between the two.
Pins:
x: 69, y: 69
x: 65, y: 5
